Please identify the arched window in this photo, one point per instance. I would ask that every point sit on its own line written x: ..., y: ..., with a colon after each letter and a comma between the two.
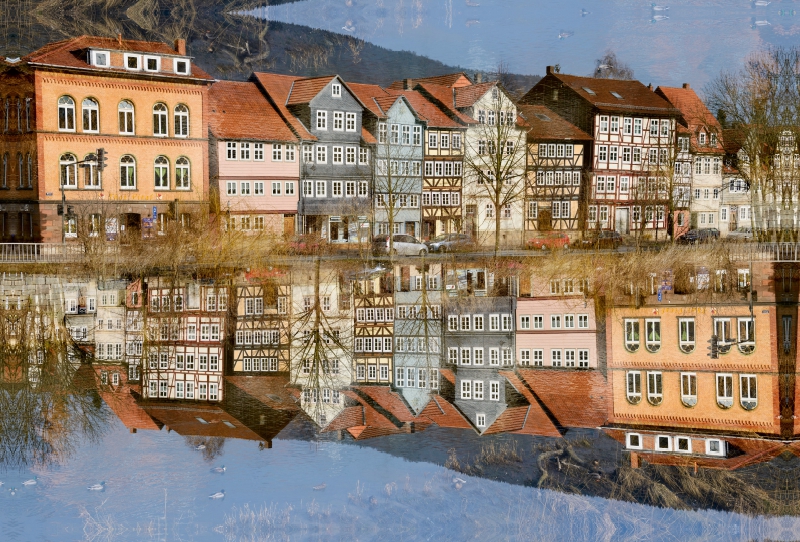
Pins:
x: 126, y: 126
x: 91, y: 115
x: 161, y: 172
x: 127, y: 172
x: 20, y: 172
x: 30, y: 171
x: 181, y: 121
x: 5, y: 170
x: 66, y: 114
x: 160, y: 120
x: 182, y: 172
x: 69, y: 171
x: 91, y: 174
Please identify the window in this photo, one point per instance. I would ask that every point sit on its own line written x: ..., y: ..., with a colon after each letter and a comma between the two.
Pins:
x: 634, y: 388
x: 90, y: 111
x: 127, y: 172
x: 654, y: 388
x: 663, y: 443
x: 182, y: 174
x: 555, y: 357
x: 747, y: 340
x: 653, y: 335
x: 689, y: 389
x: 126, y: 126
x: 477, y: 322
x: 336, y: 90
x: 747, y: 392
x: 525, y: 357
x: 322, y: 154
x: 725, y: 390
x: 466, y: 389
x: 633, y: 440
x: 637, y: 126
x: 322, y: 120
x: 480, y: 420
x: 338, y: 121
x: 66, y: 114
x: 160, y: 120
x: 524, y: 322
x: 686, y: 339
x: 583, y: 321
x: 161, y: 173
x: 68, y: 170
x: 569, y: 321
x: 337, y: 155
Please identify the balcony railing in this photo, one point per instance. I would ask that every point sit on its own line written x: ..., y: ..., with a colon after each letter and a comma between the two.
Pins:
x: 39, y: 252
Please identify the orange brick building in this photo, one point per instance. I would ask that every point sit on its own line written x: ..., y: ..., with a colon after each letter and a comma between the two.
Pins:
x: 143, y: 102
x: 662, y: 377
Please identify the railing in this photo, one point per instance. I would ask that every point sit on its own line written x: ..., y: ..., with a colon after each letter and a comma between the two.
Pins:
x: 766, y: 252
x: 39, y: 252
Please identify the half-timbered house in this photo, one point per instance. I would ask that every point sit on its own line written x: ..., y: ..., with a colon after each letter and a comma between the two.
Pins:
x: 557, y: 183
x: 261, y: 324
x: 373, y: 341
x: 185, y: 332
x: 633, y: 153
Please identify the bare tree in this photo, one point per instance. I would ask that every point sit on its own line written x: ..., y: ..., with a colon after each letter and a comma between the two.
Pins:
x: 494, y: 167
x: 610, y: 67
x: 760, y: 102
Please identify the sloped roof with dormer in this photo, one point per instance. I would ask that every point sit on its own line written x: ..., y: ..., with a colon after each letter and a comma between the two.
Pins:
x: 71, y: 53
x: 543, y: 124
x: 695, y: 116
x: 277, y: 88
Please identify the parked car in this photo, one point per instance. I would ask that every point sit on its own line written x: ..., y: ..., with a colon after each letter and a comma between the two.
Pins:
x: 549, y: 241
x: 741, y: 233
x: 692, y: 237
x: 450, y: 242
x: 602, y: 239
x: 406, y: 245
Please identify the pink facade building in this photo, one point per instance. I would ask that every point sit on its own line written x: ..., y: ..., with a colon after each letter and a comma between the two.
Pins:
x: 556, y: 326
x: 255, y: 165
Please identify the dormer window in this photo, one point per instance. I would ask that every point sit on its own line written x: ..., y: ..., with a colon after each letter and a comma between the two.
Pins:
x: 181, y: 66
x: 152, y: 64
x: 701, y: 138
x: 336, y: 90
x: 101, y: 59
x: 133, y: 62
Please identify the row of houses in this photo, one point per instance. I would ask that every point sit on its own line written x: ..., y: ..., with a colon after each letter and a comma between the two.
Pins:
x: 345, y: 160
x: 493, y: 350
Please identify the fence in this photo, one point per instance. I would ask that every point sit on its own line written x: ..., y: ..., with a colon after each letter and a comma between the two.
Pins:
x: 40, y: 252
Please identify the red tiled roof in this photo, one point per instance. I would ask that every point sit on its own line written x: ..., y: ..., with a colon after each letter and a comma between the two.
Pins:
x: 65, y: 54
x: 575, y: 398
x: 277, y: 87
x: 367, y: 94
x: 444, y: 414
x: 467, y: 96
x: 448, y: 375
x: 349, y: 417
x: 182, y: 418
x: 556, y: 128
x: 695, y: 114
x: 390, y: 401
x: 367, y: 137
x: 445, y: 98
x: 732, y: 139
x: 426, y: 110
x: 512, y: 419
x: 458, y: 79
x: 536, y: 421
x: 240, y: 111
x: 125, y: 407
x: 305, y: 89
x: 635, y: 96
x: 270, y: 390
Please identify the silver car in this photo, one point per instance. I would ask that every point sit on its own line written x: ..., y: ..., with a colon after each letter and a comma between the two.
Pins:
x: 405, y: 245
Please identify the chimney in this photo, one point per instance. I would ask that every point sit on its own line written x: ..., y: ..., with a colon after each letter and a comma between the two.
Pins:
x: 133, y: 430
x: 686, y: 85
x: 180, y: 47
x: 119, y: 40
x: 478, y: 78
x: 649, y: 86
x: 408, y: 84
x: 549, y: 70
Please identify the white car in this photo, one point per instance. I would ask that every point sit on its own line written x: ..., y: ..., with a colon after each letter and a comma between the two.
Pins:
x: 405, y: 245
x: 741, y: 234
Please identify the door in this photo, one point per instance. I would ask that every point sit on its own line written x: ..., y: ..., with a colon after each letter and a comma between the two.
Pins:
x: 544, y: 220
x: 622, y: 221
x: 288, y: 224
